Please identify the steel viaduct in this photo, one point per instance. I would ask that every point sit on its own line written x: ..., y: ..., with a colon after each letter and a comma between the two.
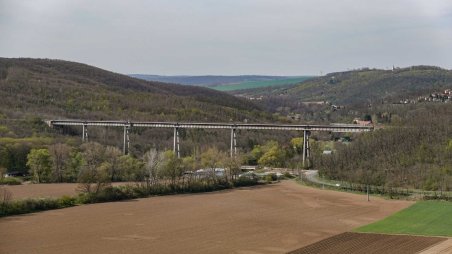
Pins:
x: 176, y: 126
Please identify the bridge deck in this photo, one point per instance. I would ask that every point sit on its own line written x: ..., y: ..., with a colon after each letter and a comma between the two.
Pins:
x: 236, y: 126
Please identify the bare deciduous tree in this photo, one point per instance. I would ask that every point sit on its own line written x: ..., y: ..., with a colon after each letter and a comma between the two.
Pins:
x: 233, y: 165
x: 112, y: 155
x: 5, y: 197
x: 152, y: 162
x: 59, y: 154
x: 212, y: 159
x: 2, y: 172
x: 171, y: 168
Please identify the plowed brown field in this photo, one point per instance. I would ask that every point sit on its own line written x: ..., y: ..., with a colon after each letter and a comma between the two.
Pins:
x: 274, y: 218
x: 358, y: 243
x: 441, y: 248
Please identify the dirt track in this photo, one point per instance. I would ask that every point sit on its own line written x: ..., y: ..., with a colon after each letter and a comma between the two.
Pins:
x: 357, y: 243
x: 264, y: 219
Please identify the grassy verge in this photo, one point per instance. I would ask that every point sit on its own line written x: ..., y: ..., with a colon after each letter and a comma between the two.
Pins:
x: 382, y: 191
x: 360, y: 189
x: 430, y: 218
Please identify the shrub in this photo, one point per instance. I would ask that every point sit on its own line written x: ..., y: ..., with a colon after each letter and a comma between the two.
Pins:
x: 111, y: 194
x: 67, y: 201
x: 27, y: 178
x: 245, y: 181
x: 274, y: 177
x: 132, y: 191
x: 10, y: 181
x: 29, y: 205
x: 288, y: 175
x: 270, y: 178
x: 161, y: 189
x: 85, y: 198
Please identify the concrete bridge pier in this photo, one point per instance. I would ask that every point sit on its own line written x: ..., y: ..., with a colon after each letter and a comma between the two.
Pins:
x: 225, y: 126
x: 306, y: 148
x: 85, y: 133
x: 233, y: 142
x: 126, y: 144
x: 176, y: 147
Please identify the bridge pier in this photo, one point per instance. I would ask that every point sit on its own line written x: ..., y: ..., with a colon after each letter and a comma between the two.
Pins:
x: 176, y: 147
x: 306, y: 149
x: 126, y: 144
x: 85, y: 133
x: 233, y: 142
x: 225, y: 126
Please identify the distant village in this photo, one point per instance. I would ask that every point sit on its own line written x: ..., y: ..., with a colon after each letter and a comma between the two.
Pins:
x: 441, y: 97
x: 435, y: 97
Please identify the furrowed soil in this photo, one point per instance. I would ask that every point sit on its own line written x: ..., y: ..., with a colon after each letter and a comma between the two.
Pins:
x: 274, y: 218
x: 441, y: 248
x: 357, y: 243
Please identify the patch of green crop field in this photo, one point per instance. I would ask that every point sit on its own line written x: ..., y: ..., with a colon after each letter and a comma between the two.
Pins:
x: 430, y: 218
x: 260, y: 84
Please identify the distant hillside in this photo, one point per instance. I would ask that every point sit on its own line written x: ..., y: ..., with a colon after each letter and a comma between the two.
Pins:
x: 225, y: 83
x: 61, y: 89
x: 35, y: 89
x: 364, y: 86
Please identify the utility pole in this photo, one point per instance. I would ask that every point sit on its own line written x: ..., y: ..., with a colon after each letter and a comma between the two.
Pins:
x: 368, y: 198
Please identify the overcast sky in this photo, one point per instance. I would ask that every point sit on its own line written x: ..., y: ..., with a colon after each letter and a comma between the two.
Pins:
x: 278, y: 37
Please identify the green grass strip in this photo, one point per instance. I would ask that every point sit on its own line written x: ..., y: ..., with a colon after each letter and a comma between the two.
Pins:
x: 429, y: 218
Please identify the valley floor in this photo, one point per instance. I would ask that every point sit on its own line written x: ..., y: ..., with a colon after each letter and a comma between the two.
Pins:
x: 274, y: 218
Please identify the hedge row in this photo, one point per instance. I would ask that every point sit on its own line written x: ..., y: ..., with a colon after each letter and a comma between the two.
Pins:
x: 110, y: 194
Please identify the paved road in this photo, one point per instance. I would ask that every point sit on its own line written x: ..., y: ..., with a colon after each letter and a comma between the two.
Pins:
x: 313, y: 176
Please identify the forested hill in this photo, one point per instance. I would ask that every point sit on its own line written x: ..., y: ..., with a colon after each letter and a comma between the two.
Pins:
x: 367, y: 85
x: 62, y: 89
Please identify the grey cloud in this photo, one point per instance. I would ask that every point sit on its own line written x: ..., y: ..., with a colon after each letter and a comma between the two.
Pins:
x: 283, y: 37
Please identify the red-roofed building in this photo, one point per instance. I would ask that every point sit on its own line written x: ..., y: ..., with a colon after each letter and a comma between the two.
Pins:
x: 362, y: 122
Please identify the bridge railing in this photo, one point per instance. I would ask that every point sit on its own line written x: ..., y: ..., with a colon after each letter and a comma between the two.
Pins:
x: 198, y: 125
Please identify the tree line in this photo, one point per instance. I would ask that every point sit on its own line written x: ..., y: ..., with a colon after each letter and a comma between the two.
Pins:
x: 93, y: 163
x: 413, y: 151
